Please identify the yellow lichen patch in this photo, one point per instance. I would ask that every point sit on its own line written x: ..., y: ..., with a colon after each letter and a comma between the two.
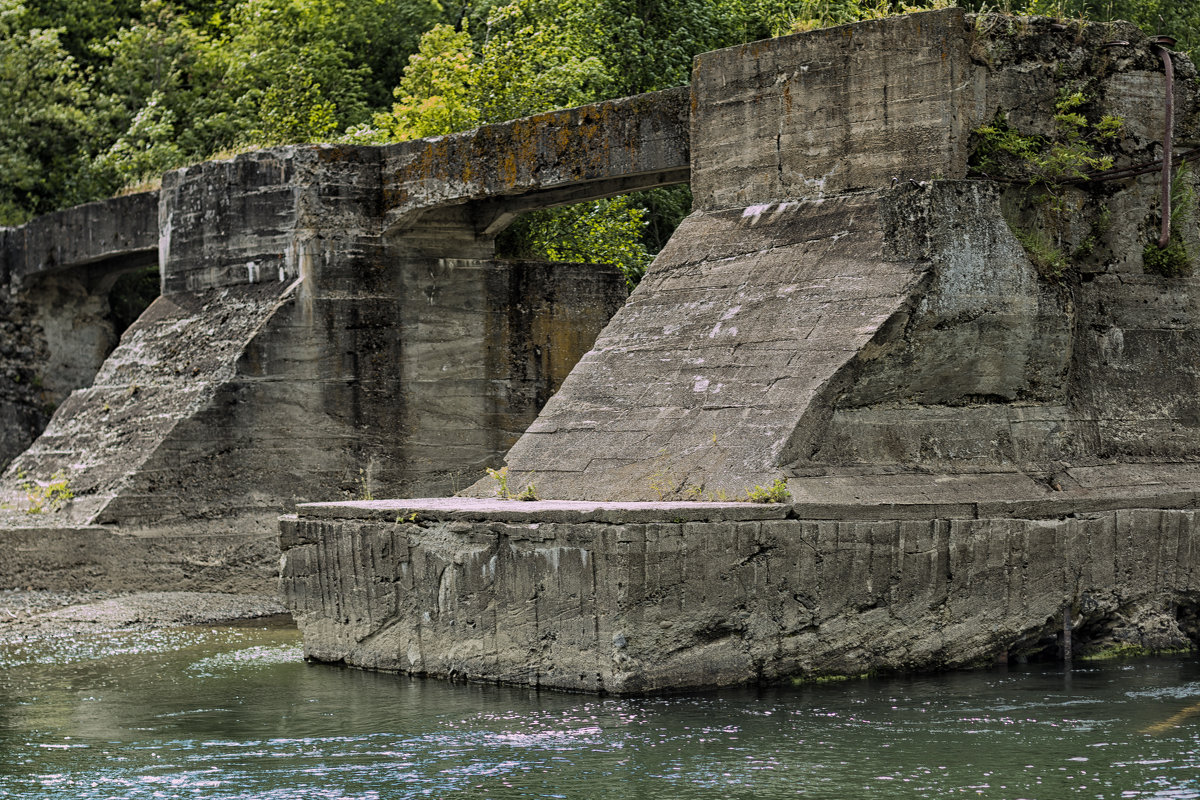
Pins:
x: 507, y: 171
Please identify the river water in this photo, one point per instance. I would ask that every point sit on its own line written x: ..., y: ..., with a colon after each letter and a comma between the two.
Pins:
x: 235, y: 713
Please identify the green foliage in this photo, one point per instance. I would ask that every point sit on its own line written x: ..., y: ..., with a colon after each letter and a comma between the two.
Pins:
x: 1070, y: 153
x: 44, y: 129
x: 147, y: 147
x: 539, y: 55
x: 600, y: 232
x: 1174, y: 259
x: 45, y: 496
x: 777, y: 492
x: 438, y: 93
x: 1050, y: 261
x: 1180, y: 19
x: 812, y: 14
x: 665, y: 209
x: 1169, y: 261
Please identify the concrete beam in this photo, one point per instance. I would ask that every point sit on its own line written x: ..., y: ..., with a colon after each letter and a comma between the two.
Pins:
x: 587, y: 152
x: 108, y: 236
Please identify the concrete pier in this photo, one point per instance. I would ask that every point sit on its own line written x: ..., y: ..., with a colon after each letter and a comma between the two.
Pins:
x: 647, y: 597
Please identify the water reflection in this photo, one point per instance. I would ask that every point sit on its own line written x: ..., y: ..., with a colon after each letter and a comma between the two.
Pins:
x: 234, y: 713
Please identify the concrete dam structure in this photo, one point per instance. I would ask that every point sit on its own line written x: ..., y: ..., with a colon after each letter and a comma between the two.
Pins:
x: 978, y: 385
x: 332, y: 323
x: 979, y: 388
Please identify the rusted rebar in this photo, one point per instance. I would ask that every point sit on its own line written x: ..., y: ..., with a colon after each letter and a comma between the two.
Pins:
x: 1163, y: 45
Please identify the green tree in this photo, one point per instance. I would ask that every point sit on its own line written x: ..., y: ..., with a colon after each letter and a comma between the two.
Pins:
x: 44, y: 129
x: 148, y: 95
x: 437, y: 94
x: 599, y: 232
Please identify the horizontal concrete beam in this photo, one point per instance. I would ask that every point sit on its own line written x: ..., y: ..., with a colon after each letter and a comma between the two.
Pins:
x: 596, y: 150
x: 108, y: 236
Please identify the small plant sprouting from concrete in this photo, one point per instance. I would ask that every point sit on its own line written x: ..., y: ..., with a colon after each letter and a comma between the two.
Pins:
x: 777, y: 492
x: 364, y: 481
x: 51, y: 495
x: 1168, y: 261
x: 1047, y: 165
x: 503, y: 491
x: 1050, y: 261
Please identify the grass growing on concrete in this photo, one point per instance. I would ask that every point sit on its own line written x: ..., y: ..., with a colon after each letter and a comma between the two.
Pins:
x: 777, y: 492
x: 529, y: 492
x: 1050, y: 261
x: 1174, y: 259
x: 44, y: 496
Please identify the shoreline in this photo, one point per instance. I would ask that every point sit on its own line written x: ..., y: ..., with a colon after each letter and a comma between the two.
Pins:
x: 29, y: 615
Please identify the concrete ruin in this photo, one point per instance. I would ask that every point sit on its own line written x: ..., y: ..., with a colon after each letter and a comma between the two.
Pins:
x: 333, y: 323
x: 979, y: 392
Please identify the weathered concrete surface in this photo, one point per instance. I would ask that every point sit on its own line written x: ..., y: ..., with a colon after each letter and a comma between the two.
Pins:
x: 75, y: 556
x: 55, y: 276
x: 549, y: 159
x: 973, y: 446
x: 333, y: 324
x: 614, y: 599
x: 838, y: 110
x: 103, y: 235
x: 711, y: 365
x: 298, y: 353
x: 842, y: 299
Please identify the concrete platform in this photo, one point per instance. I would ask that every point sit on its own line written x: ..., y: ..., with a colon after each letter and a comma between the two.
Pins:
x: 649, y: 597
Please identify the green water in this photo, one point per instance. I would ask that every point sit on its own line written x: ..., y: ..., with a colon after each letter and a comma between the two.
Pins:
x: 235, y: 713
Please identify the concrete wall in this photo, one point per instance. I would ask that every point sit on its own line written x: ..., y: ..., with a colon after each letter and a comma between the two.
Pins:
x: 845, y: 301
x: 628, y: 598
x: 979, y: 451
x: 55, y: 278
x: 310, y: 344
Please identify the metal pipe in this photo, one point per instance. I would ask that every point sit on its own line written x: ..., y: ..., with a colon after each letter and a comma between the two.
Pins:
x: 1163, y: 44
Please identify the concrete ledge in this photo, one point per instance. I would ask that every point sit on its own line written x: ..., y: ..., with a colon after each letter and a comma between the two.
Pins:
x: 645, y: 135
x: 470, y: 509
x: 123, y: 230
x: 844, y: 496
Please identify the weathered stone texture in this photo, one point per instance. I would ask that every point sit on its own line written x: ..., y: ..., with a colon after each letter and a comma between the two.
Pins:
x: 98, y: 557
x: 55, y: 277
x: 102, y: 235
x: 709, y: 368
x: 297, y: 354
x: 22, y: 407
x: 837, y: 110
x: 841, y: 301
x: 667, y: 605
x: 560, y: 157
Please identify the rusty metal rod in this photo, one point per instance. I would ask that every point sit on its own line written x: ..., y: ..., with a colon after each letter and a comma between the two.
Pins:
x: 1162, y: 44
